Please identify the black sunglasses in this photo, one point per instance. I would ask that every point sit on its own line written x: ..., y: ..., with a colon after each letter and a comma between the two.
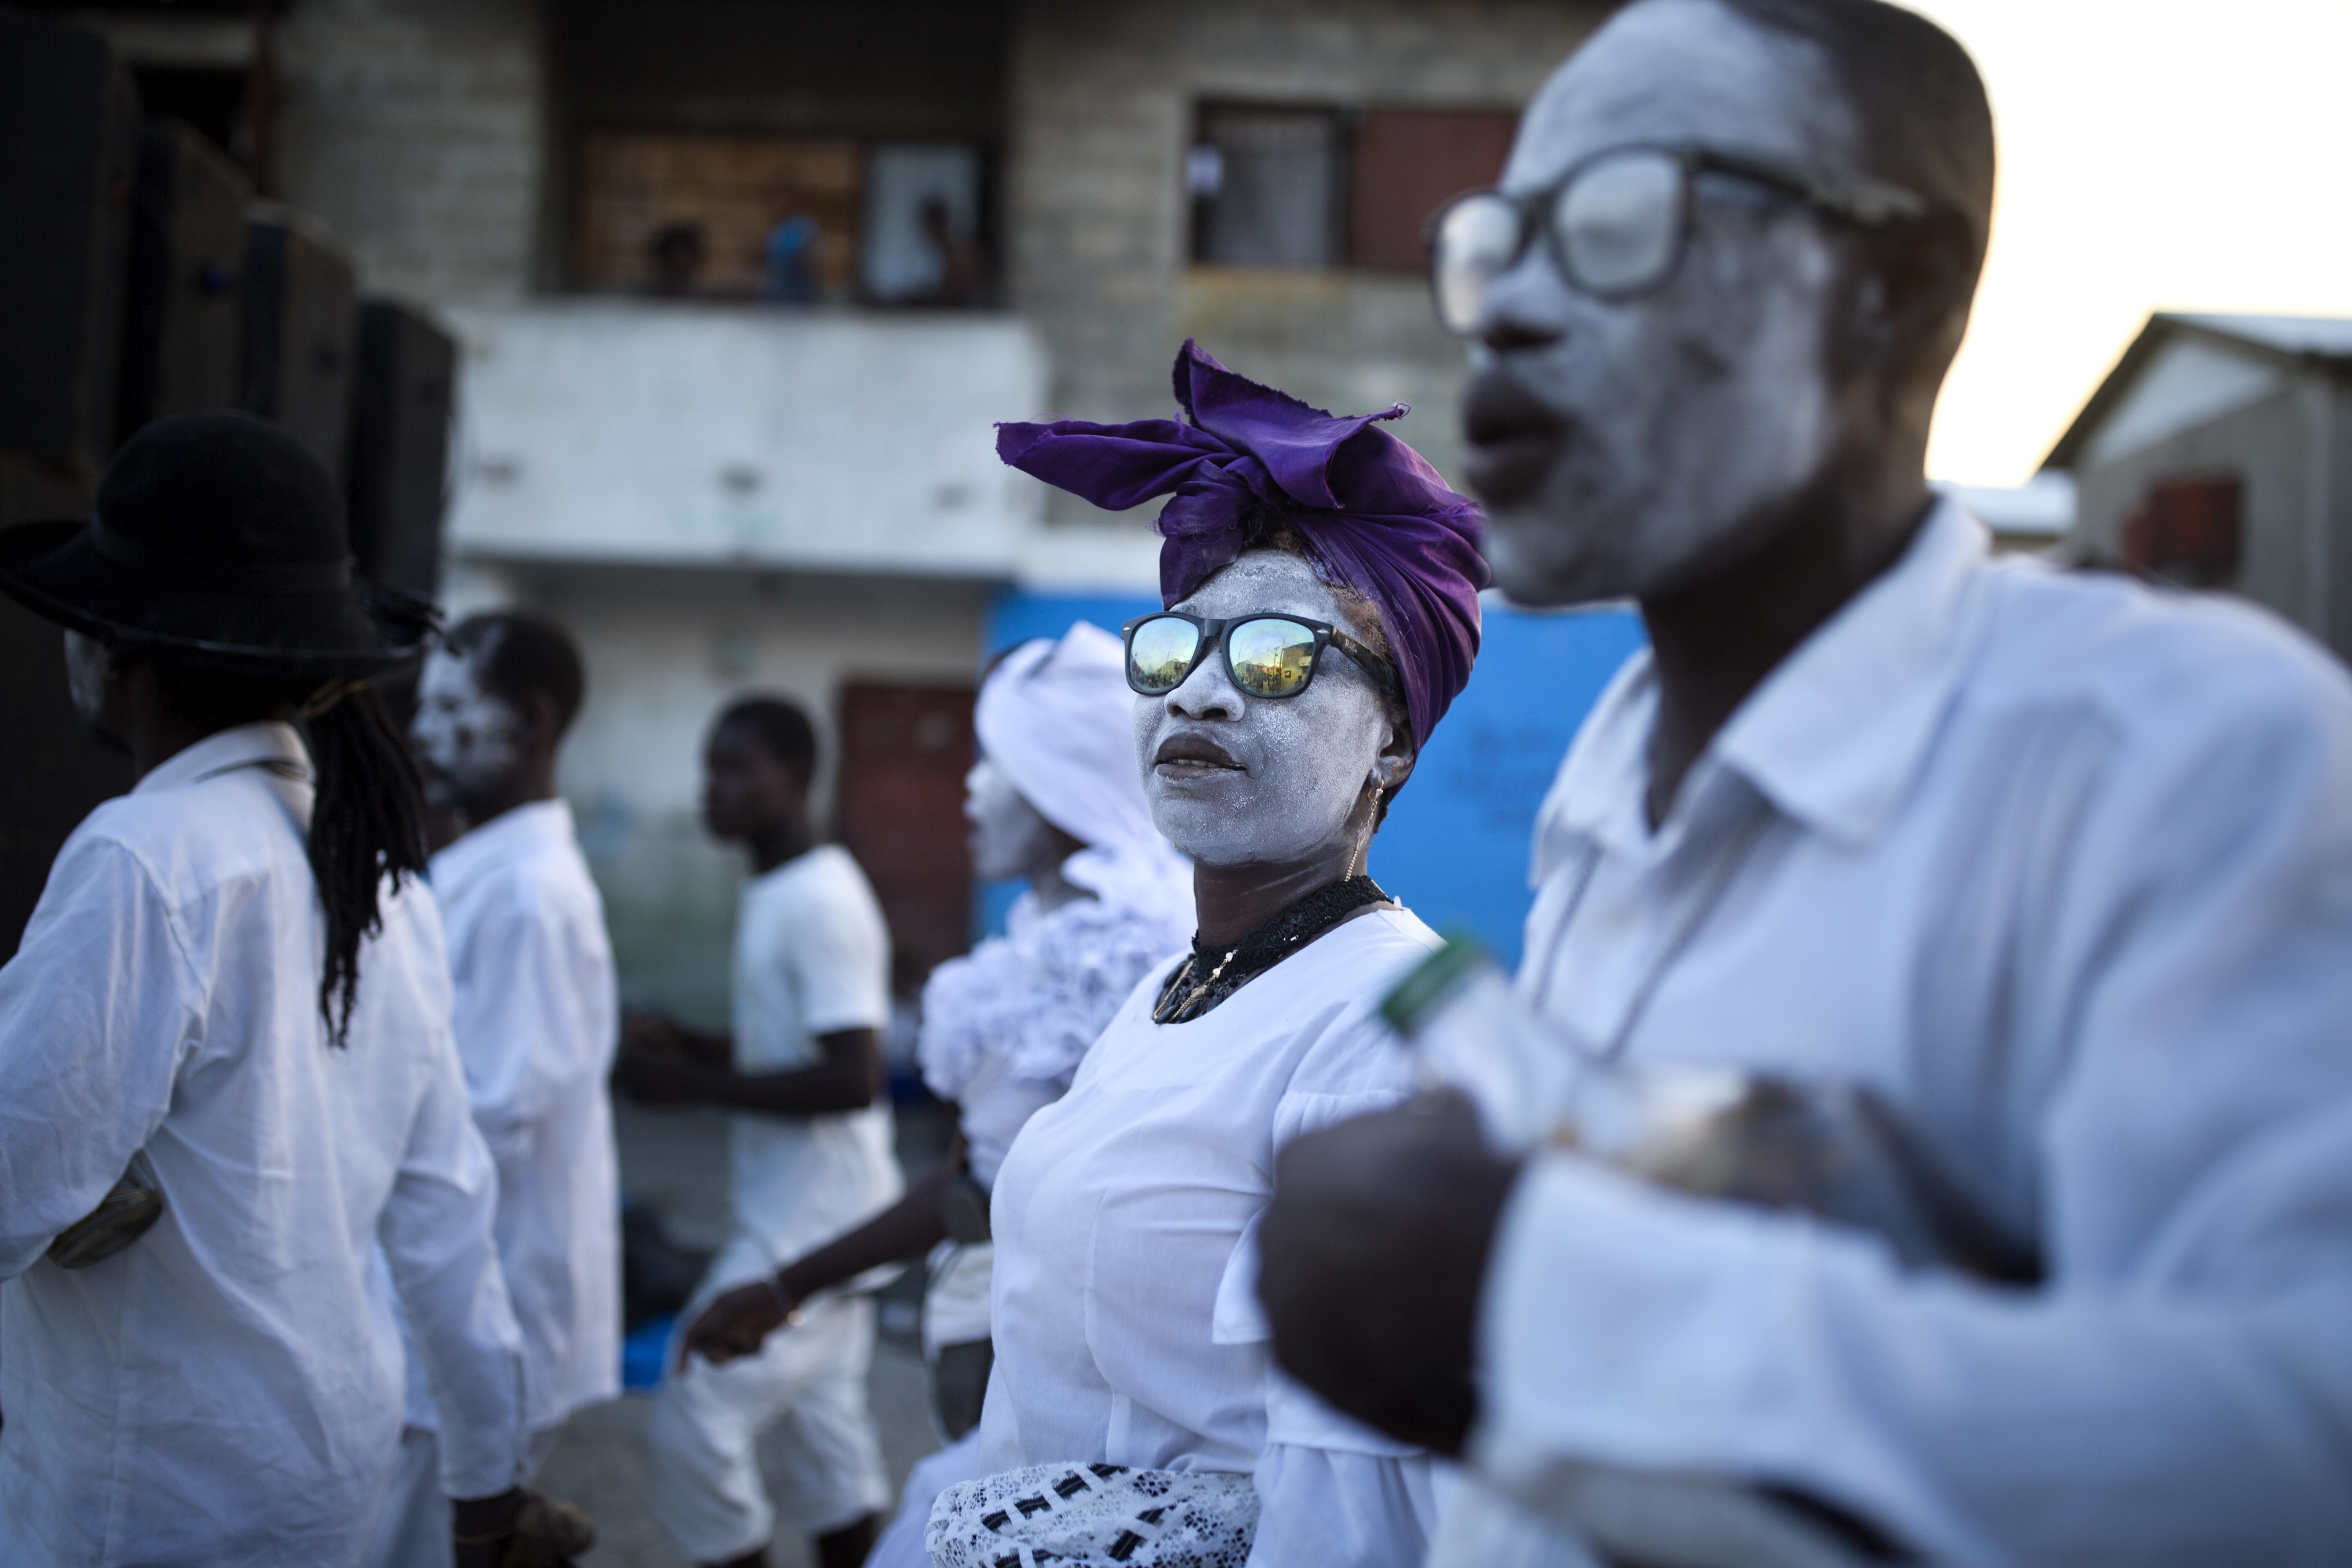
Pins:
x: 1267, y: 655
x: 1616, y: 224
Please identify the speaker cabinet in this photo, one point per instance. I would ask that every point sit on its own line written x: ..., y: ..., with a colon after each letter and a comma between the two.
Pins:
x: 69, y: 153
x: 183, y: 323
x: 301, y: 322
x: 56, y: 774
x: 400, y: 445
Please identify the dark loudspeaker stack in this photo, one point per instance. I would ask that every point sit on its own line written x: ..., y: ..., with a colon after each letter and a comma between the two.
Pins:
x: 400, y: 446
x: 69, y: 154
x: 300, y: 322
x: 182, y: 324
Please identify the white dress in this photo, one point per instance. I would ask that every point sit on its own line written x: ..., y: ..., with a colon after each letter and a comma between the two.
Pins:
x: 1004, y: 1027
x: 1127, y: 1323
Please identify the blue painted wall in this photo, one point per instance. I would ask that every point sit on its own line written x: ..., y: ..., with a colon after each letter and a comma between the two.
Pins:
x: 1456, y: 845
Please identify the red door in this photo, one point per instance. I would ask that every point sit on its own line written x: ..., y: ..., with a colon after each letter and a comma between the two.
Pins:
x: 899, y: 810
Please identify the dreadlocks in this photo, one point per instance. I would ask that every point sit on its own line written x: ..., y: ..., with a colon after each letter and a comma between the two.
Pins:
x: 367, y: 818
x: 368, y: 823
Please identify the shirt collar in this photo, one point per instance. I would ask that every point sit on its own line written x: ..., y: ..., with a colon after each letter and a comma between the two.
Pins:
x: 1836, y: 732
x: 503, y: 838
x: 271, y: 742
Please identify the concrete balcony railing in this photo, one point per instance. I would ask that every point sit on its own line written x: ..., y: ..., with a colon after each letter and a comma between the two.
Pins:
x: 621, y: 432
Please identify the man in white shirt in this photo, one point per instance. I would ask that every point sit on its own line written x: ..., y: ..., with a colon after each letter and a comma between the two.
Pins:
x: 2057, y: 868
x: 227, y: 1079
x: 810, y: 1155
x: 536, y: 1020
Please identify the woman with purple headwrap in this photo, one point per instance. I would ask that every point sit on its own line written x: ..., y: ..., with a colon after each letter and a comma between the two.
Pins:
x: 1321, y: 585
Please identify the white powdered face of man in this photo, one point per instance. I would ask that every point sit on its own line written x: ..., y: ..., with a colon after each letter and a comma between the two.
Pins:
x: 1237, y: 779
x: 465, y: 735
x: 1625, y: 447
x: 86, y: 678
x: 1009, y: 838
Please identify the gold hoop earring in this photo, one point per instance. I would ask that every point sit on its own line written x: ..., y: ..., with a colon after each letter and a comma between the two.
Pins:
x: 1371, y: 825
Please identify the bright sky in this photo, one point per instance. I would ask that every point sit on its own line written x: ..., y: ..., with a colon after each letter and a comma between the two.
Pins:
x: 2156, y: 155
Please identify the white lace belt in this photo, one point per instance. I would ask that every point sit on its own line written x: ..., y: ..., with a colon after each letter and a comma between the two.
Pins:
x: 1095, y: 1516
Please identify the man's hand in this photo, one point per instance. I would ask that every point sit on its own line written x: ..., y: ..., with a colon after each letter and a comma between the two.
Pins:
x: 1371, y: 1255
x: 653, y: 1033
x: 480, y: 1528
x: 517, y: 1529
x: 736, y: 1324
x: 657, y: 1077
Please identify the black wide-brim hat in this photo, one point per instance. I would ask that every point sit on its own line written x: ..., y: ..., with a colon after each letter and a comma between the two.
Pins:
x: 218, y: 541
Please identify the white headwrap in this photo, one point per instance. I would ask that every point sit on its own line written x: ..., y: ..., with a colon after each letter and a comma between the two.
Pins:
x: 1057, y: 718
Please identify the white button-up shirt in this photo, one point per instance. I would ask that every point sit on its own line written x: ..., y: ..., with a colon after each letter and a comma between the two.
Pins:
x: 536, y: 1018
x: 2063, y: 869
x: 228, y: 1388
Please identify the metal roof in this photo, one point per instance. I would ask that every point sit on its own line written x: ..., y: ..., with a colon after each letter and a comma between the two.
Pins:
x: 2278, y: 337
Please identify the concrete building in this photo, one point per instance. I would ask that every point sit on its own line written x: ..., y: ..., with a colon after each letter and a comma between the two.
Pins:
x: 2218, y: 454
x: 998, y: 209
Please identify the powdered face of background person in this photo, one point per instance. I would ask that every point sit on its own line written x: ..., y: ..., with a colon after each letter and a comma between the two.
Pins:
x: 1623, y: 443
x: 466, y: 733
x: 1008, y: 835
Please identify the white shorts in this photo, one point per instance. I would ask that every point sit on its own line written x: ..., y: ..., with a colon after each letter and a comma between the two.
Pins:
x: 809, y: 1381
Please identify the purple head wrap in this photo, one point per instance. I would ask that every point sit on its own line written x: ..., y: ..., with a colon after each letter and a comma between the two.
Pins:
x: 1372, y: 513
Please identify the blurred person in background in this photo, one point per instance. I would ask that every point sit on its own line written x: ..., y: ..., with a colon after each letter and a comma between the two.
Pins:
x: 791, y: 256
x: 227, y: 1084
x: 809, y: 1156
x: 674, y: 258
x: 2057, y: 869
x: 536, y: 1018
x: 1322, y: 590
x: 1055, y: 799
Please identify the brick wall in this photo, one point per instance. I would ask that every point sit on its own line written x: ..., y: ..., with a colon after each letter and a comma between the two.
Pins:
x: 1101, y: 112
x: 415, y: 128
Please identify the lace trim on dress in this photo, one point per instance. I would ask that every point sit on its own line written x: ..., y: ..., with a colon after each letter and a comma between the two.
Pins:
x: 1037, y: 996
x: 1095, y: 1516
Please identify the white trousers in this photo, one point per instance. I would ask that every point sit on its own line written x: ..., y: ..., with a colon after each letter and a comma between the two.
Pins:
x: 809, y: 1383
x: 413, y: 1530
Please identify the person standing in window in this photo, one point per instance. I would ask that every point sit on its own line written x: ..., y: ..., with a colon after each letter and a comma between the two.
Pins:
x: 810, y: 1156
x: 791, y: 256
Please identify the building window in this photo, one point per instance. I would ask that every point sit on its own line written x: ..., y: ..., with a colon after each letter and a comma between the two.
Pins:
x: 923, y: 236
x: 719, y: 217
x: 1286, y: 187
x: 1268, y: 186
x: 791, y: 220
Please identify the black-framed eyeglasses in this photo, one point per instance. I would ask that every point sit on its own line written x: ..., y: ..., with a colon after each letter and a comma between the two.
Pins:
x: 1267, y: 655
x: 1616, y: 225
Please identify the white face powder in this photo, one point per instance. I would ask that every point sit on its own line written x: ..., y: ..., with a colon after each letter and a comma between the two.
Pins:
x: 86, y: 677
x: 467, y: 736
x: 1009, y: 838
x: 1690, y: 415
x: 1276, y: 779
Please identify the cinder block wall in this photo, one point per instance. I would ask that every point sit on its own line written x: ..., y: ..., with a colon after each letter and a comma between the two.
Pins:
x: 418, y: 130
x: 1102, y: 111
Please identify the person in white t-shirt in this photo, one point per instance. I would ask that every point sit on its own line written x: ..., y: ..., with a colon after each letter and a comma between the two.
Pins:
x: 537, y: 1019
x: 810, y: 1154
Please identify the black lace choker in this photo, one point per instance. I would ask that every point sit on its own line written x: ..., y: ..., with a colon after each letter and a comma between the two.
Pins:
x: 1209, y: 976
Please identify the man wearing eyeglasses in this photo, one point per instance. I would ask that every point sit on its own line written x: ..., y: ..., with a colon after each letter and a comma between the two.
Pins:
x: 2056, y: 868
